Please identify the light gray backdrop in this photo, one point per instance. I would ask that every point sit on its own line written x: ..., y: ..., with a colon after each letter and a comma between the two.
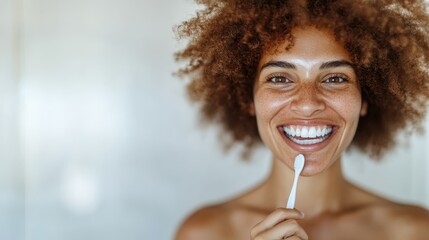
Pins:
x: 98, y: 140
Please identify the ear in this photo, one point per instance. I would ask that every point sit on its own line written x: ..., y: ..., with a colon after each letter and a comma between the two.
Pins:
x: 364, y: 108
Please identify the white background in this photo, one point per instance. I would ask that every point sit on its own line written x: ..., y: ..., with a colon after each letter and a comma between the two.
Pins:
x: 98, y: 139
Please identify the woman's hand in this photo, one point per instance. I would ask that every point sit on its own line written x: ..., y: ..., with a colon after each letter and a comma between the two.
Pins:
x: 280, y: 224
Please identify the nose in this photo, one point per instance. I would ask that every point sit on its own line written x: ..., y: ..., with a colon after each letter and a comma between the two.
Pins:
x: 307, y: 101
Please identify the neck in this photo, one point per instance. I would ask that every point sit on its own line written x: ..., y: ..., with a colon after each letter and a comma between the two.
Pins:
x: 316, y: 194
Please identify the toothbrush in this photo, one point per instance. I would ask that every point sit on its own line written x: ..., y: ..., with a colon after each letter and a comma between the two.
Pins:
x: 298, y: 166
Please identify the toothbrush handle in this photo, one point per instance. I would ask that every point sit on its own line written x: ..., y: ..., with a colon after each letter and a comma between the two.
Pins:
x: 292, y: 195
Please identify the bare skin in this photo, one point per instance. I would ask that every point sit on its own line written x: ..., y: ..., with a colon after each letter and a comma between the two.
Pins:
x: 347, y: 213
x: 312, y: 85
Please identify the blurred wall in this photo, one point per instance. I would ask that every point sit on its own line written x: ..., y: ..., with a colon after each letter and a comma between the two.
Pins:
x: 112, y: 147
x: 11, y: 164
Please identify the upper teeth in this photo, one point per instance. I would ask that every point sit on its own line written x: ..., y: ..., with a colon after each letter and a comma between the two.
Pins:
x: 307, y: 132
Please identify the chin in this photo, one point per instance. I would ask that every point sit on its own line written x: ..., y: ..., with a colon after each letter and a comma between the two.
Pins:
x: 315, y: 166
x: 310, y: 172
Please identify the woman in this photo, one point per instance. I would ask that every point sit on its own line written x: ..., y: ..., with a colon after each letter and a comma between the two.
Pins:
x: 311, y: 78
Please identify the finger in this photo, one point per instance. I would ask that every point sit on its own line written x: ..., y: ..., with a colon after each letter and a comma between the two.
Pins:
x: 285, y: 230
x: 277, y: 216
x: 293, y: 238
x: 290, y: 229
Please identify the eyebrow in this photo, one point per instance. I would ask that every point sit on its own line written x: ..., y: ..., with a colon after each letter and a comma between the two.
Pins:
x: 325, y: 65
x: 334, y: 64
x: 280, y: 64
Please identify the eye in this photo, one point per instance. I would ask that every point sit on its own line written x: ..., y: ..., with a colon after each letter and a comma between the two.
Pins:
x: 278, y: 79
x: 337, y: 78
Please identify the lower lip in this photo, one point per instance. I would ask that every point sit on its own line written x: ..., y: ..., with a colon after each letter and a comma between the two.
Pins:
x: 309, y: 147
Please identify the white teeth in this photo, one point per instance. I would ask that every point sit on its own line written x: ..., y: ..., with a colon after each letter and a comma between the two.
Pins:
x: 319, y: 132
x: 304, y: 132
x: 308, y: 142
x: 312, y: 135
x: 312, y: 132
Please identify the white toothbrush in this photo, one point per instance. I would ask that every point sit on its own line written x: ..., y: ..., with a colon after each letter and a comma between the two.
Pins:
x: 298, y: 166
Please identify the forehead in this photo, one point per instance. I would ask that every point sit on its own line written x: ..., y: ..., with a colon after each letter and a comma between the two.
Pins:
x: 310, y: 45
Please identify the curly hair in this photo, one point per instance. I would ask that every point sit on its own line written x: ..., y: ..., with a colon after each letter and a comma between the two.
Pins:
x: 387, y: 41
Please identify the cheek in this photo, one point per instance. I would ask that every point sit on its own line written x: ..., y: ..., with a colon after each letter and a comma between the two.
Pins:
x: 348, y: 106
x: 267, y: 105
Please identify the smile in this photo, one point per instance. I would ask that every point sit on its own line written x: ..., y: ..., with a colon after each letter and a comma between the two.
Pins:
x: 306, y: 135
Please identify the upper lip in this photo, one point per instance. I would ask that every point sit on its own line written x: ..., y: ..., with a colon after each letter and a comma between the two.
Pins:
x: 308, y: 123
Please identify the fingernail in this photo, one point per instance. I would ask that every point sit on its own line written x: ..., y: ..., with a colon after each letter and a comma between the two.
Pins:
x: 302, y: 214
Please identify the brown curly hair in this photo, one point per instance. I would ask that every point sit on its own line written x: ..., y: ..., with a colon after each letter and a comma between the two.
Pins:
x: 387, y: 40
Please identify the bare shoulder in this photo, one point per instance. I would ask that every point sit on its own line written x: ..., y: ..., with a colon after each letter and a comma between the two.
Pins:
x: 405, y: 221
x: 413, y: 220
x: 393, y: 220
x: 230, y: 220
x: 206, y: 223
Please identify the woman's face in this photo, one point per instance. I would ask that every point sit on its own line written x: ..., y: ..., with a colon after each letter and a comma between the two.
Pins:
x: 307, y: 100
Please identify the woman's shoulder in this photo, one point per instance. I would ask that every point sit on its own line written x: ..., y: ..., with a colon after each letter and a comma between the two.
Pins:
x: 221, y: 221
x: 396, y: 220
x: 399, y: 221
x: 408, y: 221
x: 208, y: 223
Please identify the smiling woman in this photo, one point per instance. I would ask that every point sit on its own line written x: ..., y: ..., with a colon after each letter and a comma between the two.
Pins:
x: 312, y: 78
x: 314, y: 89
